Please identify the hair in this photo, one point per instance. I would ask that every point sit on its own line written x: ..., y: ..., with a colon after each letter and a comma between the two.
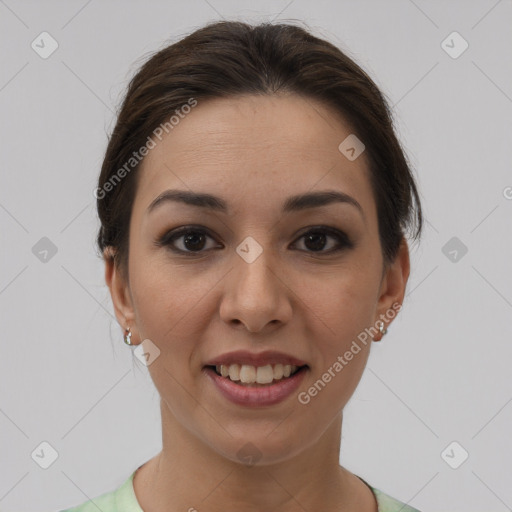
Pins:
x: 230, y: 58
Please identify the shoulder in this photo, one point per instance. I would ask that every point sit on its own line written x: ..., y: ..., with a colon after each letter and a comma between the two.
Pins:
x: 106, y: 503
x: 388, y: 504
x: 121, y: 499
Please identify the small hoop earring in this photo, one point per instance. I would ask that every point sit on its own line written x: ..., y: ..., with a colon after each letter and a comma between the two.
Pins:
x: 128, y: 336
x: 382, y: 329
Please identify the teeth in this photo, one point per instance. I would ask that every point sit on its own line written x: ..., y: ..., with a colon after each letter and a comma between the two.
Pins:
x: 264, y: 374
x: 278, y: 371
x: 249, y: 374
x: 234, y: 372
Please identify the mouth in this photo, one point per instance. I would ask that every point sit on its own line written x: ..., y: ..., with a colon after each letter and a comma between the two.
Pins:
x: 256, y: 376
x: 256, y: 386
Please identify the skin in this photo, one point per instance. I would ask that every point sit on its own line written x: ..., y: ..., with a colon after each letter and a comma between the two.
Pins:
x: 254, y: 152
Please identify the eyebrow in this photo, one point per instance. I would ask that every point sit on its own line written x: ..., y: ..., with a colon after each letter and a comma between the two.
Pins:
x: 292, y: 204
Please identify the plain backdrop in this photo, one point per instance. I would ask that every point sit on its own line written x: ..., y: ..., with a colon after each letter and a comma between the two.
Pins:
x: 438, y: 387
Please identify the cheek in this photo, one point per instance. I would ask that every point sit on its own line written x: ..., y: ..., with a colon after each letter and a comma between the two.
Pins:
x: 172, y: 309
x: 339, y: 312
x: 344, y: 300
x: 171, y: 313
x: 342, y: 310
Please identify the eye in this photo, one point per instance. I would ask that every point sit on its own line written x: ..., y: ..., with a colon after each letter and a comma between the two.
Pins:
x: 315, y: 240
x: 190, y: 240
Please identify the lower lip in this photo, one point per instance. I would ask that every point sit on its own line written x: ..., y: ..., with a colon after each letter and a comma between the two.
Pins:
x: 269, y: 394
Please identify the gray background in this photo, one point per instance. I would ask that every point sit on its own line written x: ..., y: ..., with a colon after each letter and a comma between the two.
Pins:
x: 442, y: 374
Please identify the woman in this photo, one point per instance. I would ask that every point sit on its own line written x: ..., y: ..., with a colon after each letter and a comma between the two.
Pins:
x: 253, y: 201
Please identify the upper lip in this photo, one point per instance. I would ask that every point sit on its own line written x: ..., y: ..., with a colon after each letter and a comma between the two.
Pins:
x: 255, y: 359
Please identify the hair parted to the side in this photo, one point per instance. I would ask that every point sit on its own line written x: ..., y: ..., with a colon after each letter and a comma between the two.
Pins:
x: 231, y: 58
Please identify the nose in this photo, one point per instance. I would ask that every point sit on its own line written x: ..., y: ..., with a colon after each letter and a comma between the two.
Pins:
x: 255, y: 295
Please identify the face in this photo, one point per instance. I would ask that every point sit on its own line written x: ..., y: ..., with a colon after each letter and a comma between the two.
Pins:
x: 258, y: 272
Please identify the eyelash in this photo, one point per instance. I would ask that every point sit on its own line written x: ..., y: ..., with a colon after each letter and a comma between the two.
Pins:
x: 170, y: 237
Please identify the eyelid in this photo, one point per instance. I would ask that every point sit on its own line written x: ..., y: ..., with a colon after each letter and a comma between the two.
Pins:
x: 168, y: 236
x: 344, y: 241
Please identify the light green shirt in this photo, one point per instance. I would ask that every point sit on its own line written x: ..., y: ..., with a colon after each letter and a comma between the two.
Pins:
x: 123, y: 499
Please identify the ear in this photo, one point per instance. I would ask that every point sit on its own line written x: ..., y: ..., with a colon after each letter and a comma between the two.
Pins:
x: 393, y: 285
x: 119, y: 291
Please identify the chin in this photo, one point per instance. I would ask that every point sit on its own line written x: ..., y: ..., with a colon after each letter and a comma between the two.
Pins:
x: 255, y: 447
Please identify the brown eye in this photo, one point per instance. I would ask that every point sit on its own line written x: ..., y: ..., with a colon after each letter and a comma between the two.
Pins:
x: 315, y: 240
x: 192, y: 240
x: 185, y: 240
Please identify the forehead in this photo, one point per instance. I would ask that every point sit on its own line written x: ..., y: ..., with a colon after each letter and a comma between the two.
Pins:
x: 273, y: 146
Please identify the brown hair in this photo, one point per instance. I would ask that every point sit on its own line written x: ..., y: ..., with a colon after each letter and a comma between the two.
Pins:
x: 229, y: 58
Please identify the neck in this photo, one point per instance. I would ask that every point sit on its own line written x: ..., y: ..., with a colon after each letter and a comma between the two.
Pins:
x: 189, y: 475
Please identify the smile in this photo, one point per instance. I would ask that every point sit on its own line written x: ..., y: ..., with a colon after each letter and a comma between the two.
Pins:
x: 249, y: 374
x: 254, y: 393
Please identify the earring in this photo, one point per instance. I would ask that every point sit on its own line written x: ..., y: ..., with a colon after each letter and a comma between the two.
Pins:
x: 382, y: 329
x: 128, y: 336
